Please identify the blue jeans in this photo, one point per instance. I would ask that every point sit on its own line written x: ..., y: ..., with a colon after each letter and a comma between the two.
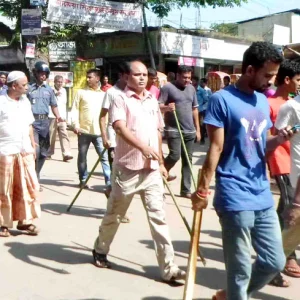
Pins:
x: 240, y: 230
x: 84, y: 142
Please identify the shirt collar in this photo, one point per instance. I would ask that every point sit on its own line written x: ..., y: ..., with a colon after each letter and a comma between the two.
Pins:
x: 97, y: 90
x: 131, y: 94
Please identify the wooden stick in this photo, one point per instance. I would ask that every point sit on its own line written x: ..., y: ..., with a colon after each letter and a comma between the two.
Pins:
x: 192, y: 263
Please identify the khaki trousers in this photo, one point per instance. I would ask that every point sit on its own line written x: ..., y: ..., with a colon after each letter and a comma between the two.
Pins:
x: 61, y: 128
x: 149, y: 185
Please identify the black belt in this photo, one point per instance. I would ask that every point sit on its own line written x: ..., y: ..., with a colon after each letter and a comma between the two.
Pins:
x: 40, y: 117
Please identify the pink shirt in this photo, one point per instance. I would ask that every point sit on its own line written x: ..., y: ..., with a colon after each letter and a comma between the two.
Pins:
x: 143, y: 118
x: 154, y: 91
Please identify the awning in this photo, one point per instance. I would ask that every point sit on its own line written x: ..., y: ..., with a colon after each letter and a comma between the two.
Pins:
x: 10, y: 55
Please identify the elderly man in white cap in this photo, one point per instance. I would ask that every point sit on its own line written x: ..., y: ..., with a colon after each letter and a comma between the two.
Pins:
x: 18, y: 179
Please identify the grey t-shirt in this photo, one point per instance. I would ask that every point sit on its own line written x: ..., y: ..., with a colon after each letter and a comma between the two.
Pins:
x: 185, y: 100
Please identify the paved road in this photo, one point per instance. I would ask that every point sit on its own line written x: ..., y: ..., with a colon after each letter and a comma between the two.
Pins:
x: 57, y: 264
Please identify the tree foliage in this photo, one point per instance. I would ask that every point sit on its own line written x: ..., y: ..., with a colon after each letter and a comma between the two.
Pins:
x: 225, y: 28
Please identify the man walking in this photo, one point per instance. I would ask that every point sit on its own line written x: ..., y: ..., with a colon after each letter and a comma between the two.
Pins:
x: 288, y: 81
x: 237, y: 121
x: 3, y: 86
x: 138, y: 166
x: 105, y: 85
x: 41, y: 96
x: 61, y: 127
x: 85, y: 120
x: 180, y: 97
x: 152, y: 80
x: 18, y: 181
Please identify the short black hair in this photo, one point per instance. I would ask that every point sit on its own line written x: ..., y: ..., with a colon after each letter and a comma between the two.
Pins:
x: 123, y: 68
x: 204, y: 80
x: 227, y: 78
x: 196, y: 78
x: 152, y: 72
x: 259, y: 53
x: 184, y: 69
x: 105, y: 75
x: 287, y: 68
x: 95, y: 71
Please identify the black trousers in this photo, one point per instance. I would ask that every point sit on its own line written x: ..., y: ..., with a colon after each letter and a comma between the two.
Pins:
x: 286, y: 198
x: 177, y: 151
x: 202, y: 125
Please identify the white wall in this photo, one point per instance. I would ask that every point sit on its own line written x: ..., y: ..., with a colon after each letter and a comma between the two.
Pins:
x: 263, y: 28
x: 295, y: 29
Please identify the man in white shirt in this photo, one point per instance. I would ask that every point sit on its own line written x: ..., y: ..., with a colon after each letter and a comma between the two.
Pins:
x: 18, y: 179
x: 289, y: 115
x: 61, y: 127
x: 85, y: 115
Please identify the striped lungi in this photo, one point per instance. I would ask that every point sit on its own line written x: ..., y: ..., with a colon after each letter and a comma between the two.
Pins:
x: 18, y: 189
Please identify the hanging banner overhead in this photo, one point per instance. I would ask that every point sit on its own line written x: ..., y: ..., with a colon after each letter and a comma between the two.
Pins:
x: 96, y: 13
x: 31, y: 21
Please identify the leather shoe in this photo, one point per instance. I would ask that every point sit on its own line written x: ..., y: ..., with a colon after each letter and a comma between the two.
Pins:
x: 171, y: 177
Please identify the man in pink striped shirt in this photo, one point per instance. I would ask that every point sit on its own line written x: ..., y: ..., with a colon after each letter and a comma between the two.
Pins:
x: 137, y: 169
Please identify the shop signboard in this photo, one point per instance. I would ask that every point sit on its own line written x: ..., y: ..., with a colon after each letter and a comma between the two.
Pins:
x: 96, y: 13
x: 62, y: 51
x: 31, y: 21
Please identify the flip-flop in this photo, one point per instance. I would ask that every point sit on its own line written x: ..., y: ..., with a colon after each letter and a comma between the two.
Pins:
x: 4, y: 232
x: 292, y: 272
x: 30, y: 229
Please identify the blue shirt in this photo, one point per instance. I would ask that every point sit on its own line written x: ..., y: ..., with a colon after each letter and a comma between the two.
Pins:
x: 41, y: 97
x: 3, y: 90
x: 203, y: 96
x: 241, y: 180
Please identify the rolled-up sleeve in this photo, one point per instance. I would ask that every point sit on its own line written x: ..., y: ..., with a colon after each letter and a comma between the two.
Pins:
x: 75, y: 110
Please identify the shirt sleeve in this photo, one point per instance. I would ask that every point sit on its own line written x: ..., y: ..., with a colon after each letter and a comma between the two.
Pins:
x: 118, y: 110
x: 29, y: 112
x: 160, y: 121
x: 285, y: 116
x: 75, y: 110
x: 107, y: 100
x: 163, y: 97
x: 216, y: 113
x: 53, y: 101
x: 195, y: 100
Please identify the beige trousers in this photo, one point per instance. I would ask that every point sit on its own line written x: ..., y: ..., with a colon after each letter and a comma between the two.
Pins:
x: 149, y: 185
x: 61, y: 128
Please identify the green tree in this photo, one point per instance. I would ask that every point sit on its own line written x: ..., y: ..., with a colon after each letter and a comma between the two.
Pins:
x: 226, y: 28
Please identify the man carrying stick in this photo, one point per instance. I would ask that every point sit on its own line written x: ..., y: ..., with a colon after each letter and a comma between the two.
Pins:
x: 237, y: 122
x: 137, y: 168
x: 18, y: 180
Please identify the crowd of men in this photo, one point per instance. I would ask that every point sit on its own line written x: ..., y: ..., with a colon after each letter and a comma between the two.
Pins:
x: 126, y: 122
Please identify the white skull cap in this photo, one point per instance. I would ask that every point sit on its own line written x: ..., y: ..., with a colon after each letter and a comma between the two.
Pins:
x: 15, y: 75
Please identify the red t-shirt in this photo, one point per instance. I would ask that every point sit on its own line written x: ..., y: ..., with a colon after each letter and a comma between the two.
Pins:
x: 154, y: 91
x: 279, y: 161
x: 104, y: 88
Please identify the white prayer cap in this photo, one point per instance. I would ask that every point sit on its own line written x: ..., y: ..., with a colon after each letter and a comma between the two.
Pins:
x: 15, y: 75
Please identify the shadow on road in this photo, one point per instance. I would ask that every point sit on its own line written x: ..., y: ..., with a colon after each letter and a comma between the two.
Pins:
x: 62, y: 254
x: 58, y: 209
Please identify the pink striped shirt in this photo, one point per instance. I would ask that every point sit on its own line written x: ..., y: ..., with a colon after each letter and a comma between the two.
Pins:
x: 143, y: 118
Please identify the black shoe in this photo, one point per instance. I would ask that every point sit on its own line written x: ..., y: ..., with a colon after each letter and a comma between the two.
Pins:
x: 67, y: 157
x: 100, y: 260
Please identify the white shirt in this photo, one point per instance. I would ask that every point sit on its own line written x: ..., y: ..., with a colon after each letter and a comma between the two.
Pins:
x: 289, y: 114
x: 61, y: 104
x: 110, y: 96
x: 15, y: 119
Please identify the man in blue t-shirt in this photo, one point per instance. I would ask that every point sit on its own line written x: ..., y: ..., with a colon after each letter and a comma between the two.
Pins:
x: 237, y: 121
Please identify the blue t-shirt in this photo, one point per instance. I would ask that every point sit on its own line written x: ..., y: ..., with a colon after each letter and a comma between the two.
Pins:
x: 241, y: 180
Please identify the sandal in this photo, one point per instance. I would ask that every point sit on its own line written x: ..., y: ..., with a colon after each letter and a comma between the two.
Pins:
x: 279, y: 281
x: 220, y: 295
x: 292, y: 269
x: 100, y: 260
x: 4, y: 231
x: 30, y: 229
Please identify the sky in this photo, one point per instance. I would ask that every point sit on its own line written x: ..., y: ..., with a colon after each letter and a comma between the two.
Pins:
x: 191, y: 17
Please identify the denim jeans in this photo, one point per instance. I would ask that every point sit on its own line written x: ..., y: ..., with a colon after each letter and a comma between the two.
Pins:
x: 84, y: 142
x: 177, y: 151
x: 240, y: 230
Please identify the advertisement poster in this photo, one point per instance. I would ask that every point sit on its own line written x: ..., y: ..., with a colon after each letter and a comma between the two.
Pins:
x: 31, y: 21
